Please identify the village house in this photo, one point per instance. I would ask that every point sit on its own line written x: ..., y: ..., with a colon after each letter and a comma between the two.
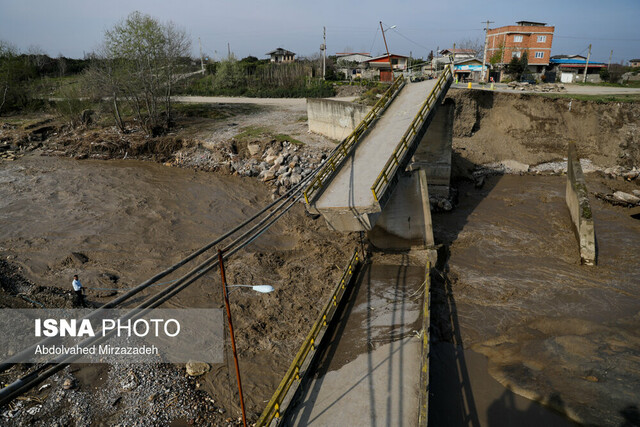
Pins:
x: 466, y: 66
x: 531, y: 38
x: 570, y: 69
x: 353, y: 64
x: 281, y: 55
x: 381, y: 65
x: 634, y: 63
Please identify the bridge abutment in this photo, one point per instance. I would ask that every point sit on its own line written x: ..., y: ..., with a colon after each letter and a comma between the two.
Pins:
x: 435, y: 149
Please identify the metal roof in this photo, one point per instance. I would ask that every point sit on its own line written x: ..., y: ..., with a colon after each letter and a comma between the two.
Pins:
x: 392, y: 55
x: 280, y: 51
x: 531, y: 23
x: 573, y: 61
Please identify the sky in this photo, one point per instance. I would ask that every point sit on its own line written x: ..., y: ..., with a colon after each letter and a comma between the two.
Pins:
x: 249, y: 27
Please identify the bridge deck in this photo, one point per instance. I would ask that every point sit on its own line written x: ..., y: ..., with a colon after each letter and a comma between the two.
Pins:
x: 351, y: 187
x: 372, y: 359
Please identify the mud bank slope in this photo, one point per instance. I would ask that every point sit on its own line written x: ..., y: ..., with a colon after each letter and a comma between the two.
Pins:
x: 493, y: 126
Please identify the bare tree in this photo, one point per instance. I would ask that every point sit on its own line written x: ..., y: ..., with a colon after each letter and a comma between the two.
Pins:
x: 476, y: 45
x: 138, y: 64
x: 62, y: 64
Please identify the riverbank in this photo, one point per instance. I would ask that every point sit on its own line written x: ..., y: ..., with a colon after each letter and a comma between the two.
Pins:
x: 117, y: 223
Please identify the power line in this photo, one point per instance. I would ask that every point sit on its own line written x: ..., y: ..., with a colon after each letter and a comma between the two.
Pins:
x: 375, y: 36
x: 412, y: 41
x: 596, y: 38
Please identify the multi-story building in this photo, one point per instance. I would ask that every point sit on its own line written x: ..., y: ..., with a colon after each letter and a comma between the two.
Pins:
x: 531, y: 38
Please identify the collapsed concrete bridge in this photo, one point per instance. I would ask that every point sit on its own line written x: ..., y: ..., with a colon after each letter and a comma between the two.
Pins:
x: 377, y: 180
x: 380, y: 177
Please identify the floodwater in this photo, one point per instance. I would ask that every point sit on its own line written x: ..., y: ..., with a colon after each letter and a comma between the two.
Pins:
x: 553, y: 330
x: 130, y: 218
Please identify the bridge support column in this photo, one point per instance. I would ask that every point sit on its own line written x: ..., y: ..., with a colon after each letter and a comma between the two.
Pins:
x: 405, y: 222
x: 434, y: 151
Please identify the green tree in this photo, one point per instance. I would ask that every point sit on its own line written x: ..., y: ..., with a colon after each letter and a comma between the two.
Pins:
x: 15, y: 74
x: 138, y: 64
x: 517, y: 67
x: 496, y: 58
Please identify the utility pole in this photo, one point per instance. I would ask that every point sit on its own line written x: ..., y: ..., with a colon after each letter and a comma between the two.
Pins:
x: 387, y: 47
x: 486, y: 42
x: 233, y: 340
x: 453, y: 64
x: 228, y: 50
x: 324, y: 51
x: 610, y: 55
x: 201, y: 57
x: 587, y: 65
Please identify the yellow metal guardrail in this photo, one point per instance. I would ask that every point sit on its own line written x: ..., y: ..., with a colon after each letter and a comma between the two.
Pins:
x: 382, y: 181
x: 293, y: 374
x: 424, y: 372
x: 343, y: 149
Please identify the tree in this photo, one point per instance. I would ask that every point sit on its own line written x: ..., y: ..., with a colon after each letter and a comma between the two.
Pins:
x: 139, y: 64
x: 62, y: 64
x: 496, y: 58
x: 15, y: 73
x: 477, y: 45
x: 430, y: 57
x: 517, y: 67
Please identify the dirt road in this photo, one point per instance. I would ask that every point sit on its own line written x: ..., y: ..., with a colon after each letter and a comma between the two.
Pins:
x: 293, y: 103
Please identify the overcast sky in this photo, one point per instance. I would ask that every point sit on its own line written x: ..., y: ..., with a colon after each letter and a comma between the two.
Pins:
x: 73, y: 27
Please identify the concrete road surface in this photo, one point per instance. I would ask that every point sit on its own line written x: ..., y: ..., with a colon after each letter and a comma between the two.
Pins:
x: 368, y: 374
x: 351, y: 187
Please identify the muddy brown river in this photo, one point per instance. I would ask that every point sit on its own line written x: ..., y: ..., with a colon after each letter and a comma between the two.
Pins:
x: 552, y: 330
x: 130, y: 218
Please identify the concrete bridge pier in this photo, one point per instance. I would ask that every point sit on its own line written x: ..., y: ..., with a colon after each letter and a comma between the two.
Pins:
x: 434, y: 150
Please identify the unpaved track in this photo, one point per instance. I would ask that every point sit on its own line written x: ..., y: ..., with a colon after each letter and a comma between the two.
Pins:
x: 295, y: 103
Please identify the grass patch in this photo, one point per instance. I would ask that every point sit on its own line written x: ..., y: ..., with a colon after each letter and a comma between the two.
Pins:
x: 281, y: 137
x: 599, y: 99
x: 253, y: 132
x: 371, y: 96
x: 56, y: 87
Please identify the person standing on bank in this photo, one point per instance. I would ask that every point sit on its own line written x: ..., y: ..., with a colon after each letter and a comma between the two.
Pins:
x: 77, y: 288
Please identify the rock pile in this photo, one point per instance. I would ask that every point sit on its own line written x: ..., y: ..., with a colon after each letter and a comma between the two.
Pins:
x: 544, y: 87
x: 281, y: 164
x: 6, y: 153
x: 620, y: 198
